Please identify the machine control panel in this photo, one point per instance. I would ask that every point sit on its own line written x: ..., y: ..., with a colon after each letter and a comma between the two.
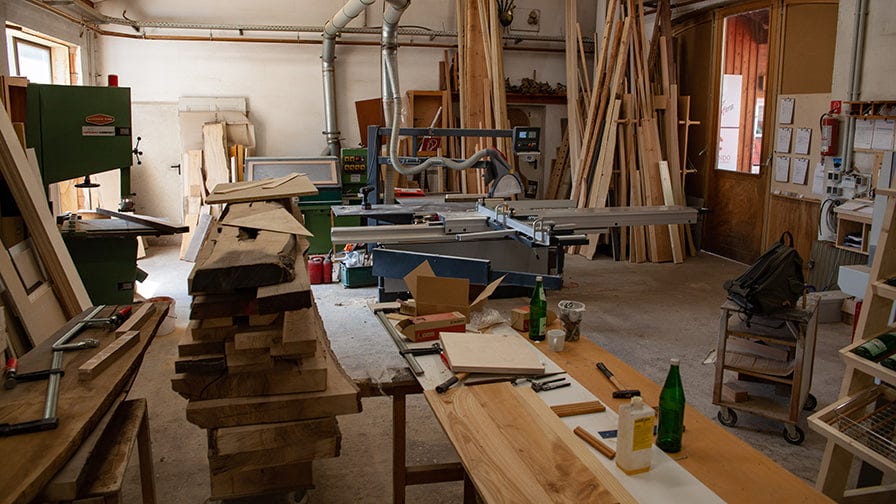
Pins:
x: 526, y: 139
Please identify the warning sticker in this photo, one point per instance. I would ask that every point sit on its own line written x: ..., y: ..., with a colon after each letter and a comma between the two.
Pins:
x: 97, y: 130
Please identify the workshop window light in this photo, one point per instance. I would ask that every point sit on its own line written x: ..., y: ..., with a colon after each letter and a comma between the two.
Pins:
x: 41, y: 58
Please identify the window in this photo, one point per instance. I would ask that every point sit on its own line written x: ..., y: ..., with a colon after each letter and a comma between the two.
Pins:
x: 40, y: 58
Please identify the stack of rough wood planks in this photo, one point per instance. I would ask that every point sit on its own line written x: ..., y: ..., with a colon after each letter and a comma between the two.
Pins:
x: 633, y: 136
x: 255, y: 361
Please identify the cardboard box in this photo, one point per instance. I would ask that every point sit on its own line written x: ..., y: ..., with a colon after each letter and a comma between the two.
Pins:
x: 429, y: 327
x: 829, y: 304
x: 519, y: 318
x: 435, y: 294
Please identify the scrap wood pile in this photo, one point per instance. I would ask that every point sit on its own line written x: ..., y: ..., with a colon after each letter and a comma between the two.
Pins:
x: 255, y: 361
x: 633, y: 129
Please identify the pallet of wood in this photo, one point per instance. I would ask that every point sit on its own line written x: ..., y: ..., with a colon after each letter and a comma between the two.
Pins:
x: 255, y: 361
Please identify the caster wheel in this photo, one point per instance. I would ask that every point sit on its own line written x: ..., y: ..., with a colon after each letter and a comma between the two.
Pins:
x: 727, y: 417
x: 797, y: 437
x: 811, y: 403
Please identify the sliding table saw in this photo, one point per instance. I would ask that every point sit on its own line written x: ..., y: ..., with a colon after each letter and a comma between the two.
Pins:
x: 486, y: 239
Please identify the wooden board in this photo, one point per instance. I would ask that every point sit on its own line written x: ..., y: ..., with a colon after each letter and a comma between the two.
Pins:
x: 146, y: 220
x: 302, y: 329
x: 256, y: 446
x: 40, y: 311
x: 283, y: 378
x: 106, y: 478
x: 108, y: 355
x: 495, y: 429
x: 247, y: 361
x: 230, y: 261
x: 257, y: 339
x: 490, y: 353
x: 197, y: 237
x: 81, y: 406
x: 276, y: 219
x: 198, y: 330
x: 189, y: 347
x: 246, y: 191
x: 237, y: 483
x: 219, y: 306
x: 216, y: 165
x: 67, y: 483
x: 341, y: 398
x: 138, y: 316
x: 30, y: 197
x: 294, y: 294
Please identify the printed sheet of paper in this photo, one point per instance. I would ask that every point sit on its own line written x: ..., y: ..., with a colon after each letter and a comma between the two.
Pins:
x: 782, y: 168
x: 864, y: 133
x: 800, y: 168
x: 785, y: 111
x: 883, y: 134
x: 782, y: 140
x: 818, y: 180
x: 803, y: 140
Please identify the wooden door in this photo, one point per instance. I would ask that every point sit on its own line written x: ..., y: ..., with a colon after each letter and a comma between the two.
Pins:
x: 737, y: 174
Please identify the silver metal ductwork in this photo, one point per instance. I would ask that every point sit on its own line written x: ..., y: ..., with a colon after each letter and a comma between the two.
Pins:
x: 340, y: 20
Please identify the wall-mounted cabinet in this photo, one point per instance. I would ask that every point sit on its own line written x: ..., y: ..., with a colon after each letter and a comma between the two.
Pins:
x: 853, y: 227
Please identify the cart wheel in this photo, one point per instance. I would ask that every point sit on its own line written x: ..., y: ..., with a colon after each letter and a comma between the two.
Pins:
x: 797, y: 437
x: 727, y: 417
x: 811, y: 403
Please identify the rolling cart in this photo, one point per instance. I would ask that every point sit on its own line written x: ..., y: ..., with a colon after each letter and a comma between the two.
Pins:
x: 768, y: 354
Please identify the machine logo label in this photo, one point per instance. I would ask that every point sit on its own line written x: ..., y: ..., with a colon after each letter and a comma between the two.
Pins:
x: 99, y: 119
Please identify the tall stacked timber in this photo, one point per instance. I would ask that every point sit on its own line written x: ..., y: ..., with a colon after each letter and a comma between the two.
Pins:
x: 255, y: 362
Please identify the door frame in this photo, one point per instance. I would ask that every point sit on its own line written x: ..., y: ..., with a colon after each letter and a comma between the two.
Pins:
x: 769, y: 113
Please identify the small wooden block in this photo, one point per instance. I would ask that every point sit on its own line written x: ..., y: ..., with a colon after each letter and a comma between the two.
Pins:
x: 96, y: 364
x: 198, y: 331
x: 212, y: 363
x: 217, y: 322
x: 733, y: 391
x: 136, y: 319
x: 263, y: 320
x: 256, y: 340
x: 247, y: 361
x: 188, y: 347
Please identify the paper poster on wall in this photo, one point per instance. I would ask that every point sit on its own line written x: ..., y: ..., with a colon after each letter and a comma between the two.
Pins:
x: 782, y: 140
x: 728, y: 142
x: 800, y: 168
x: 782, y: 168
x: 864, y: 132
x: 883, y: 134
x: 803, y: 139
x: 818, y: 180
x: 731, y: 101
x: 785, y: 110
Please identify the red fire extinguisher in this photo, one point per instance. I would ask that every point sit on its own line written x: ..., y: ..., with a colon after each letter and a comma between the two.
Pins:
x: 830, y: 130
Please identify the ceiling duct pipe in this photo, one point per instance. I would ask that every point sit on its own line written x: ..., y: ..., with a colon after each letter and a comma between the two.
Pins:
x: 392, y: 111
x: 349, y: 11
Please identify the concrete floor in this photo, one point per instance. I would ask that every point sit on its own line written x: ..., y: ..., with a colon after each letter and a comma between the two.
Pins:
x: 644, y: 314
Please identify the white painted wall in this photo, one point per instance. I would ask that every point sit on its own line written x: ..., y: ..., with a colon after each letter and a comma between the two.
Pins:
x: 879, y: 59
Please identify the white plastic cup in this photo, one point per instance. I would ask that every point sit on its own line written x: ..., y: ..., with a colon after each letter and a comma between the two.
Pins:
x: 556, y: 339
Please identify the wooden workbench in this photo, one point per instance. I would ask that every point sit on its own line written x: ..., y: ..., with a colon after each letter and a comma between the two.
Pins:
x: 35, y: 458
x: 728, y: 466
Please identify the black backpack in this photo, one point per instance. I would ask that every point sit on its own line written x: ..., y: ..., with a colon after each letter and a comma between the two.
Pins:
x: 773, y: 283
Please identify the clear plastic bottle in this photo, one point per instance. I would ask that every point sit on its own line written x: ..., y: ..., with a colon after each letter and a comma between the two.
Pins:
x: 635, y: 439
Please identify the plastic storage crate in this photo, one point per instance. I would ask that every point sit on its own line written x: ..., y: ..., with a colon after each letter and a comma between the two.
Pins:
x: 358, y: 276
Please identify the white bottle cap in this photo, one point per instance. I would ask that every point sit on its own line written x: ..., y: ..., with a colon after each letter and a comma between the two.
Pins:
x: 539, y: 278
x: 637, y: 401
x: 675, y: 362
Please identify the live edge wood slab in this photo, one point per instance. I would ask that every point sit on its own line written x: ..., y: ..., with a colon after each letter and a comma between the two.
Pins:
x: 734, y: 470
x: 35, y: 458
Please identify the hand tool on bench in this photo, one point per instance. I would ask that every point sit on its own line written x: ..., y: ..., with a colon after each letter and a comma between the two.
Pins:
x: 621, y: 392
x: 398, y: 338
x: 541, y: 386
x: 13, y: 377
x: 50, y: 421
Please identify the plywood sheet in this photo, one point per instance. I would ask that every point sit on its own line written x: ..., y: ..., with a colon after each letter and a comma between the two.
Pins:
x: 499, y: 432
x: 490, y: 353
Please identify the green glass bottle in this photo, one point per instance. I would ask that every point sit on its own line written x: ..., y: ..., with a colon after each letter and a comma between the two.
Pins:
x: 671, y: 412
x: 889, y: 363
x: 876, y: 347
x: 538, y: 311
